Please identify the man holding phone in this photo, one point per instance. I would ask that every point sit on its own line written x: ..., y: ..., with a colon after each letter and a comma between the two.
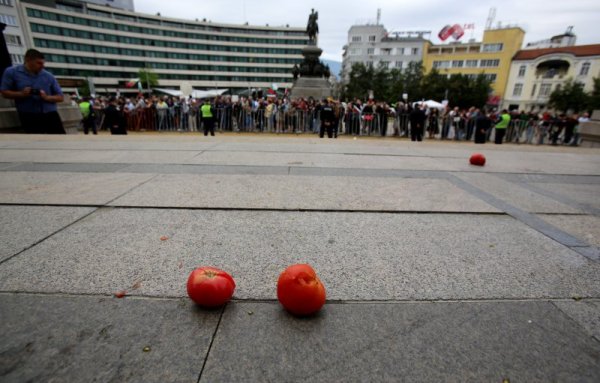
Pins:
x: 36, y: 94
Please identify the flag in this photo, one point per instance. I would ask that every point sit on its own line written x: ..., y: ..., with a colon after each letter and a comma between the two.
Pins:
x: 131, y: 83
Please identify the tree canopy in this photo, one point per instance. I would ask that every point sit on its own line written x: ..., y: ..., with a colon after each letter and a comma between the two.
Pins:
x: 389, y: 85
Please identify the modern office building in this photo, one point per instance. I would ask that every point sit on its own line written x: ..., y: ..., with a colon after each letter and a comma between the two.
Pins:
x: 491, y: 56
x: 13, y: 33
x: 109, y: 46
x: 374, y: 45
x: 536, y: 73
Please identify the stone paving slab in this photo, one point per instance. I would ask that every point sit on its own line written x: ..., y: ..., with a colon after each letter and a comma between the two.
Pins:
x: 303, y: 192
x: 98, y: 156
x: 585, y: 312
x: 423, y: 342
x: 320, y: 160
x: 584, y: 194
x: 516, y: 195
x: 69, y: 167
x: 66, y: 188
x: 101, y: 339
x: 23, y: 226
x: 359, y: 256
x: 521, y: 158
x: 205, y: 169
x: 189, y: 143
x: 584, y: 227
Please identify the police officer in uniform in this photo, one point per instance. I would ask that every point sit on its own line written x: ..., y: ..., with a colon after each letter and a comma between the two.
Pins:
x: 327, y: 119
x: 208, y: 119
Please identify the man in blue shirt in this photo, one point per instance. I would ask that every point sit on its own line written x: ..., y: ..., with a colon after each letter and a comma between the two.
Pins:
x: 36, y: 94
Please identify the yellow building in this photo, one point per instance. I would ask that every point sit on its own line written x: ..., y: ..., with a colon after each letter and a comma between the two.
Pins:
x: 492, y: 57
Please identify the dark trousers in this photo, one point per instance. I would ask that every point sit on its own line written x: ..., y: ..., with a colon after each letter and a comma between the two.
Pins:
x: 499, y: 135
x: 42, y: 123
x: 480, y: 136
x: 89, y: 123
x: 326, y: 125
x: 416, y: 132
x: 209, y: 126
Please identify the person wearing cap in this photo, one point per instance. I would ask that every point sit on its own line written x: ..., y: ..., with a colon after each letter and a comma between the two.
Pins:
x: 208, y: 120
x: 89, y: 117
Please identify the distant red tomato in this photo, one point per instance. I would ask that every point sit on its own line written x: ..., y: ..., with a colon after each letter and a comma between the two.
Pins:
x: 210, y: 287
x: 477, y: 159
x: 300, y: 291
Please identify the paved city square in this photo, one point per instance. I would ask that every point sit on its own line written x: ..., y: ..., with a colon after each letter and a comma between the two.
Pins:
x: 435, y: 270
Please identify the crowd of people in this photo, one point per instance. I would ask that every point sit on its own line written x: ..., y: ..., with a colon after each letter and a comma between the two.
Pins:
x: 285, y: 115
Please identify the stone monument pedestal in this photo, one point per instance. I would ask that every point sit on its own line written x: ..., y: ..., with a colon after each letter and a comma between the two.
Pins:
x: 317, y: 88
x: 313, y: 76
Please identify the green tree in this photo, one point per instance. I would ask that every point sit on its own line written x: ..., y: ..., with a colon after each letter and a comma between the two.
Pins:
x: 569, y: 97
x: 381, y: 83
x: 148, y: 78
x: 434, y: 86
x: 594, y: 100
x: 84, y: 90
x: 412, y: 78
x: 360, y: 82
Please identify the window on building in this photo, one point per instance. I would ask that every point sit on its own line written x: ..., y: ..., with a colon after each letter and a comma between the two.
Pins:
x: 370, y: 51
x: 399, y: 64
x: 522, y: 70
x: 490, y: 63
x: 354, y: 51
x: 441, y: 64
x: 471, y: 64
x: 400, y: 51
x: 356, y: 39
x: 16, y: 59
x: 369, y: 63
x: 386, y: 51
x: 372, y: 38
x: 457, y: 63
x: 8, y: 20
x: 585, y: 69
x: 518, y: 90
x: 533, y: 90
x: 545, y: 90
x: 384, y: 64
x: 8, y: 3
x: 415, y: 51
x: 13, y: 40
x: 491, y: 47
x: 491, y: 77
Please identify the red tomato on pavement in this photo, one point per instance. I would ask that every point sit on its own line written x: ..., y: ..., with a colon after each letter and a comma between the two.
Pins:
x: 477, y: 159
x: 210, y: 287
x: 300, y: 291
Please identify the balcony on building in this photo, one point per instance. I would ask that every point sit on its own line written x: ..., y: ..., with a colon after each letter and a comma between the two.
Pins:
x: 552, y: 70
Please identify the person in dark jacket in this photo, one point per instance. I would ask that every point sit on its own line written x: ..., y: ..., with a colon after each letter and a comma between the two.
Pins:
x: 113, y: 118
x: 327, y: 119
x: 483, y: 124
x: 417, y: 123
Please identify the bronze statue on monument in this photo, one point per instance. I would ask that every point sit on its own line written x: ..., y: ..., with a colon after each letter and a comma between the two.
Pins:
x: 311, y: 75
x: 312, y: 28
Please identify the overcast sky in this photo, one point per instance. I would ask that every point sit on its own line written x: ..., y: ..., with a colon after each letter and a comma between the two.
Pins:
x: 541, y: 19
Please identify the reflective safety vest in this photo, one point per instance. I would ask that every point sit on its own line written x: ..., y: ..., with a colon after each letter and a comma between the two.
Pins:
x: 504, y: 121
x: 85, y: 108
x: 206, y: 111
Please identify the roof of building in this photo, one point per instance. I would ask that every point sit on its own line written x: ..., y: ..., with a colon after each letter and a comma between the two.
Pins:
x: 577, y: 50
